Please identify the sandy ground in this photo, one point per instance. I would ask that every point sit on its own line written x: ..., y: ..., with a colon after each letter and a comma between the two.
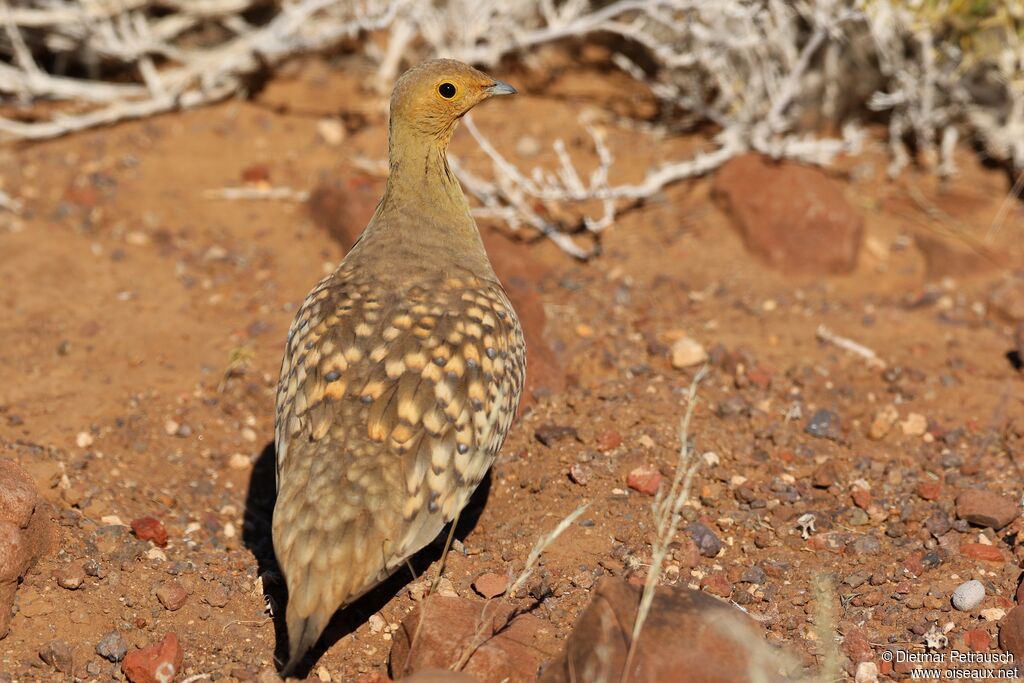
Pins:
x: 143, y: 328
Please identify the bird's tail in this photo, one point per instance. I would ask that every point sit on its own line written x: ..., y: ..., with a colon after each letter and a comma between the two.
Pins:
x: 303, y: 632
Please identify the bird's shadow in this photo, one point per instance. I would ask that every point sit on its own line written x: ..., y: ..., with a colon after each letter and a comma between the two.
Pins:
x: 256, y: 535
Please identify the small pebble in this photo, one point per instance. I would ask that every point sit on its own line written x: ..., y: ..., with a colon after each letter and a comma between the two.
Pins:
x: 83, y: 440
x: 706, y: 540
x: 687, y: 352
x: 112, y: 647
x: 644, y: 479
x: 968, y: 595
x: 915, y: 425
x: 150, y: 529
x: 491, y: 584
x: 172, y: 595
x: 824, y: 424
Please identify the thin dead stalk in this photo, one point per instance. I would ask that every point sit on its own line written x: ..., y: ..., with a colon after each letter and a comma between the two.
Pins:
x: 667, y: 509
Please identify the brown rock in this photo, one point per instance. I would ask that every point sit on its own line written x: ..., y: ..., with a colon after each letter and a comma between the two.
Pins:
x: 439, y: 676
x: 929, y: 490
x: 717, y: 584
x: 17, y: 494
x: 158, y: 663
x: 1007, y: 299
x: 825, y: 475
x: 857, y: 645
x: 980, y: 551
x: 26, y: 533
x: 978, y: 640
x: 609, y: 440
x: 644, y: 479
x: 490, y: 585
x: 343, y: 206
x: 986, y: 508
x: 60, y: 655
x: 172, y: 595
x: 1011, y: 632
x: 150, y: 529
x: 861, y: 497
x: 688, y: 637
x: 511, y: 650
x: 793, y: 217
x: 945, y: 258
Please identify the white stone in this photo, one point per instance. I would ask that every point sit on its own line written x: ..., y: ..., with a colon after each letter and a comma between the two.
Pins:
x: 867, y: 672
x: 968, y: 595
x: 687, y: 352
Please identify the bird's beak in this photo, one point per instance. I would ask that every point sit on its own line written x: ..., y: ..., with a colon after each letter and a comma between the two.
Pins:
x: 500, y: 88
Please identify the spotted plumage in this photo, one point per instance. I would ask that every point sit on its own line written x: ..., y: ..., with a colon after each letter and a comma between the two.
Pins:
x: 401, y: 375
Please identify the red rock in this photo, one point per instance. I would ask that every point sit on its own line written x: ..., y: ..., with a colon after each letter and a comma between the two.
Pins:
x: 512, y: 650
x: 793, y: 217
x: 608, y: 441
x: 436, y: 676
x: 256, y: 174
x: 172, y: 595
x: 981, y: 551
x: 158, y: 663
x: 857, y: 645
x: 85, y: 196
x: 716, y: 584
x: 929, y: 490
x: 760, y: 377
x: 861, y: 497
x: 644, y: 479
x: 986, y: 508
x: 491, y: 585
x: 26, y: 533
x: 914, y: 563
x: 17, y: 494
x: 688, y: 637
x: 1011, y: 633
x: 343, y: 207
x: 978, y: 640
x: 374, y: 677
x: 687, y: 554
x: 150, y: 529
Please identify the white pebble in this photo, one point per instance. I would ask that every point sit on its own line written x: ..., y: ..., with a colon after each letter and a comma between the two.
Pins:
x: 229, y: 530
x: 84, y: 439
x: 112, y: 520
x: 968, y: 595
x: 867, y: 672
x: 687, y: 352
x: 239, y: 461
x: 993, y: 613
x: 156, y: 554
x: 330, y: 131
x: 171, y: 427
x: 376, y: 623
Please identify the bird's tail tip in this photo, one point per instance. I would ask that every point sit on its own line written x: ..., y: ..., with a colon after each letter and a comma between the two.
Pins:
x: 302, y: 636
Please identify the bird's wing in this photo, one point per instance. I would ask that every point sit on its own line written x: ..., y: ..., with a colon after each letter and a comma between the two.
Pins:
x: 390, y: 408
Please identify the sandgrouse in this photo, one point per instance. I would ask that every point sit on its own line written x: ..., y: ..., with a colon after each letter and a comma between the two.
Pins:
x: 401, y: 375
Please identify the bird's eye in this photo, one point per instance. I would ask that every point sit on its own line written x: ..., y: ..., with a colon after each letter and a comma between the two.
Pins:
x: 446, y: 90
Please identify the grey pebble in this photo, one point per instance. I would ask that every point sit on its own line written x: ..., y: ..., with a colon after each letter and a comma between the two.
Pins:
x: 113, y: 647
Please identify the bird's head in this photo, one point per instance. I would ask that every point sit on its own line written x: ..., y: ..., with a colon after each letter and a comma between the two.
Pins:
x: 430, y: 98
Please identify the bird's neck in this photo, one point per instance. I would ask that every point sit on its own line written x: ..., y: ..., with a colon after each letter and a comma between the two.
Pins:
x: 424, y: 211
